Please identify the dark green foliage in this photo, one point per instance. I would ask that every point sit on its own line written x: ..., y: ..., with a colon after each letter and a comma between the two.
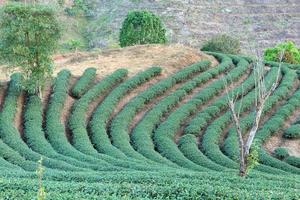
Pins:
x: 77, y: 122
x: 122, y: 120
x: 29, y: 36
x: 55, y: 130
x: 84, y: 82
x: 142, y: 27
x: 293, y: 132
x: 149, y: 163
x: 188, y: 146
x: 222, y: 44
x: 283, y: 52
x: 281, y: 153
x: 139, y: 185
x: 141, y: 136
x: 79, y: 8
x: 100, y: 118
x: 164, y: 134
x: 293, y: 160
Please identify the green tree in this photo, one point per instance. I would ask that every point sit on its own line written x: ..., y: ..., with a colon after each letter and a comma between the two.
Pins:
x: 142, y: 27
x: 29, y: 37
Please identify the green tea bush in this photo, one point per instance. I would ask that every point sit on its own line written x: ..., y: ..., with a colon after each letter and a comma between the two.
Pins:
x: 281, y: 153
x: 288, y: 50
x: 292, y: 132
x: 84, y: 82
x: 293, y: 160
x: 142, y: 27
x: 120, y: 122
x: 101, y: 115
x: 223, y: 44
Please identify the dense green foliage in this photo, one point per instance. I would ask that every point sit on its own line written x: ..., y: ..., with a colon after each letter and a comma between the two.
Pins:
x: 29, y: 36
x: 283, y: 52
x: 172, y: 139
x: 292, y: 132
x: 84, y: 82
x: 142, y: 27
x: 222, y: 44
x: 281, y: 153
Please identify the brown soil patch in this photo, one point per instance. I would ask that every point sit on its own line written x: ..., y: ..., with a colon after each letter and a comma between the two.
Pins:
x: 293, y: 146
x: 170, y: 57
x: 136, y: 58
x: 18, y: 120
x: 69, y: 101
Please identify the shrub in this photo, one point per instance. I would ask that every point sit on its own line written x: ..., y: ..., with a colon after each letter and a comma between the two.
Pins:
x: 292, y: 132
x: 291, y: 53
x: 142, y: 27
x: 84, y: 83
x: 281, y: 153
x: 222, y: 43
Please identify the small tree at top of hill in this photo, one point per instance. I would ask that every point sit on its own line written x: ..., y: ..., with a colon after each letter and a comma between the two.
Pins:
x: 222, y: 43
x: 29, y: 36
x: 142, y: 27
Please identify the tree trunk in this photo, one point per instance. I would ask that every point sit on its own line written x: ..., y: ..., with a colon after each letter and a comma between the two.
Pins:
x: 243, y: 164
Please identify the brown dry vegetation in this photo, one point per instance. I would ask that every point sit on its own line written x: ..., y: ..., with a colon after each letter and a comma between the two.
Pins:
x: 136, y: 58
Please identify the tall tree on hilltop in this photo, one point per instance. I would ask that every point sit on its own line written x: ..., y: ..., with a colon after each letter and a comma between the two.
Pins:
x: 29, y: 36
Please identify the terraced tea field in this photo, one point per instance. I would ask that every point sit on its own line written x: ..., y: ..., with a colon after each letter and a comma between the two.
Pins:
x: 148, y: 136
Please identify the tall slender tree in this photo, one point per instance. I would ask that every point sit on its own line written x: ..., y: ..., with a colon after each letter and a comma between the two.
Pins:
x: 262, y: 93
x: 29, y: 36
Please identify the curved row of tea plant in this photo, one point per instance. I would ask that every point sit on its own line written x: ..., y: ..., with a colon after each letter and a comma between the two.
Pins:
x: 55, y: 130
x: 103, y: 112
x: 142, y: 132
x: 210, y: 140
x: 85, y: 81
x: 164, y: 134
x: 119, y: 125
x: 99, y: 157
x: 19, y: 153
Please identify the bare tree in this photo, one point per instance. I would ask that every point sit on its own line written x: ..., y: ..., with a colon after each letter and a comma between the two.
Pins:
x: 245, y: 138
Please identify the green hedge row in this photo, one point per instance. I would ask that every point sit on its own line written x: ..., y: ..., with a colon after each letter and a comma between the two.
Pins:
x: 84, y: 83
x: 119, y: 125
x: 55, y: 130
x: 293, y: 160
x: 164, y: 134
x: 292, y: 132
x: 11, y: 136
x: 4, y: 164
x: 141, y: 136
x: 127, y: 184
x: 35, y: 136
x: 271, y: 126
x: 188, y: 146
x: 180, y: 189
x: 78, y: 127
x: 231, y: 146
x: 202, y: 119
x: 77, y: 123
x: 102, y: 114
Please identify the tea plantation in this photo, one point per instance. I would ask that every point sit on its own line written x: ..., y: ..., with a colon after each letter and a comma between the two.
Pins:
x: 144, y: 137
